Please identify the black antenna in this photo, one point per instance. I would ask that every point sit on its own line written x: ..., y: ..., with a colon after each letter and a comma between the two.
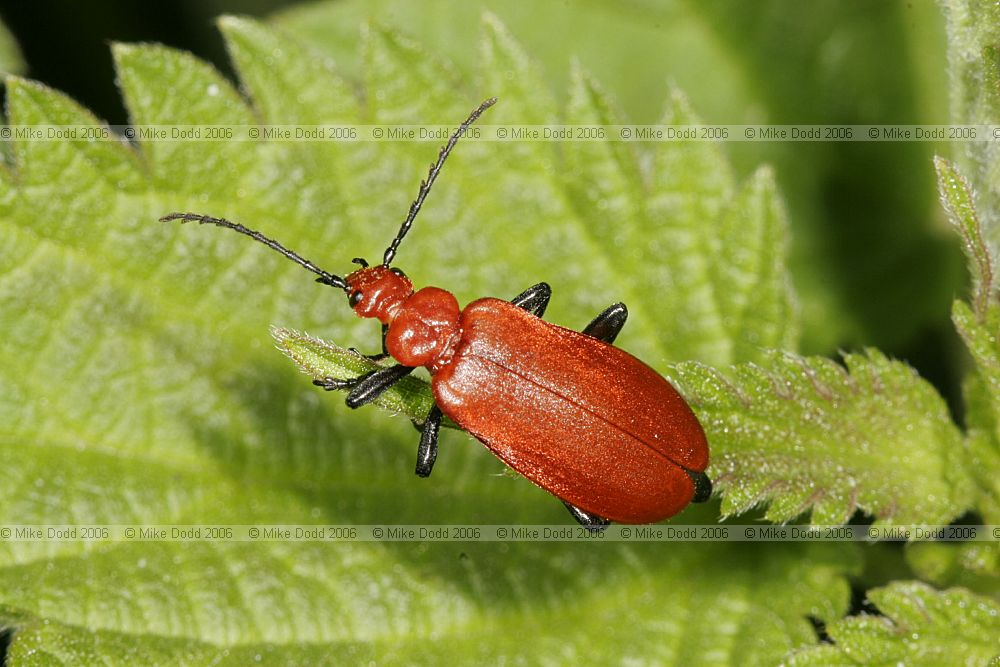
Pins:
x: 425, y: 185
x: 324, y: 277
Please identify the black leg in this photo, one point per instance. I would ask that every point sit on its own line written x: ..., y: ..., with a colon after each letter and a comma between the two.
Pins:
x: 366, y: 388
x: 702, y: 486
x: 428, y: 450
x: 535, y: 299
x: 384, y: 354
x: 589, y: 521
x: 608, y: 324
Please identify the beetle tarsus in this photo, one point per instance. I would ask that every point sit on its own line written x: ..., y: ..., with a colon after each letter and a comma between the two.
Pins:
x: 702, y: 486
x: 366, y: 388
x: 380, y: 356
x: 535, y: 299
x: 335, y: 384
x: 588, y: 520
x: 428, y: 449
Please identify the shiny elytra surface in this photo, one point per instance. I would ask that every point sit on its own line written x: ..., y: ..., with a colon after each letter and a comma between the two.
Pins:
x: 580, y: 418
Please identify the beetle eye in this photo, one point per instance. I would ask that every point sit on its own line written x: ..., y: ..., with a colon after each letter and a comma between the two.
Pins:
x: 354, y: 299
x: 398, y: 272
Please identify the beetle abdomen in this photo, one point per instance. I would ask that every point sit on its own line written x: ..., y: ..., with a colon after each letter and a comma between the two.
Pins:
x: 580, y: 418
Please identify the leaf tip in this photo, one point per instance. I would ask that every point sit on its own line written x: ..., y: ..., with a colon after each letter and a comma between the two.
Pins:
x: 22, y: 84
x: 491, y: 20
x: 581, y: 79
x: 764, y: 175
x: 499, y: 39
x: 122, y: 49
x: 958, y: 200
x: 678, y: 107
x: 13, y: 79
x: 231, y: 21
x: 281, y: 334
x: 237, y: 25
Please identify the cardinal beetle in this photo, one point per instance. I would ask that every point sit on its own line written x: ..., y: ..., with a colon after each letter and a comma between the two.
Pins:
x: 582, y: 419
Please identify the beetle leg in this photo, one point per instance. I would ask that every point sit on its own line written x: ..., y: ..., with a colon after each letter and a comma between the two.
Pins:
x: 428, y: 450
x: 702, y: 486
x: 590, y: 521
x: 366, y: 388
x: 370, y: 357
x: 606, y: 326
x: 534, y: 299
x: 384, y: 354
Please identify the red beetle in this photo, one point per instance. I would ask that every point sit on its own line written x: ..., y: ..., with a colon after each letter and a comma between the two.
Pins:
x: 582, y: 419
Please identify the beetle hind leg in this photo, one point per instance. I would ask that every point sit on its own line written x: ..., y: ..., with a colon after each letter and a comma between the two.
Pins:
x: 535, y: 299
x: 606, y: 326
x: 702, y: 486
x: 588, y: 520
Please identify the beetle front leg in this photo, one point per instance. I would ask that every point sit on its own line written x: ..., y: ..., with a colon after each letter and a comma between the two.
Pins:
x: 427, y: 451
x: 384, y: 354
x: 366, y: 388
x: 535, y: 299
x: 588, y: 520
x: 606, y: 326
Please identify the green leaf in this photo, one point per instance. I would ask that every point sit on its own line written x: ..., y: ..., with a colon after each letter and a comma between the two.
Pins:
x: 45, y: 642
x: 11, y: 61
x: 319, y: 359
x: 707, y: 255
x: 714, y: 252
x: 863, y: 213
x: 958, y: 201
x: 272, y: 81
x: 918, y: 626
x: 981, y: 391
x: 314, y: 604
x: 978, y: 325
x: 973, y: 565
x: 138, y: 383
x: 807, y: 434
x: 196, y: 169
x: 974, y: 64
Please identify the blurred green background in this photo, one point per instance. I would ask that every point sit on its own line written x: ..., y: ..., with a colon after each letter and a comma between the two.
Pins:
x: 872, y: 261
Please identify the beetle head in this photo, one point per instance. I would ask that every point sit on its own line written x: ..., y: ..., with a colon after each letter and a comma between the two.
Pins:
x: 377, y: 291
